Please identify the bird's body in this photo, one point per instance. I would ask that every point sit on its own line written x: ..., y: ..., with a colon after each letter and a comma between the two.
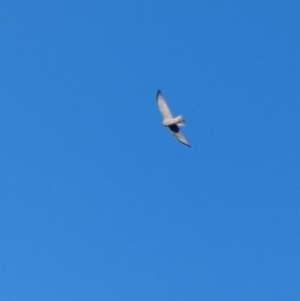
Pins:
x: 169, y: 120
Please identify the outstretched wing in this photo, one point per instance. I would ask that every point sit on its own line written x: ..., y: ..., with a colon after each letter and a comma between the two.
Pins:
x: 178, y: 134
x: 163, y: 107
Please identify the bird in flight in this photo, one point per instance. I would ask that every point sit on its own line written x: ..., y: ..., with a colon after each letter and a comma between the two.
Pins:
x: 169, y: 121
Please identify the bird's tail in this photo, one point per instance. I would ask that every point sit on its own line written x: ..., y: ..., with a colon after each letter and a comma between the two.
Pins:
x: 179, y: 120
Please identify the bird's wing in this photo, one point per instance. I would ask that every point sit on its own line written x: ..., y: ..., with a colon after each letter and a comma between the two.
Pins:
x: 163, y: 107
x: 178, y: 134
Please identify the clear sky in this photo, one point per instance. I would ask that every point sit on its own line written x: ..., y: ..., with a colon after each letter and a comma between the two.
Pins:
x: 98, y: 201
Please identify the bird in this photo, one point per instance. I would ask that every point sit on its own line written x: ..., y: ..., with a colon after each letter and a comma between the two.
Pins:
x: 169, y: 121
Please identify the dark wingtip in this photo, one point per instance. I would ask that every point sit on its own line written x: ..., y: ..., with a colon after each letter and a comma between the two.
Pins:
x: 186, y: 144
x: 158, y: 93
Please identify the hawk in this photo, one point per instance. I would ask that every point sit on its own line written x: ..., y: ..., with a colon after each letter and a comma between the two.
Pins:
x: 169, y: 121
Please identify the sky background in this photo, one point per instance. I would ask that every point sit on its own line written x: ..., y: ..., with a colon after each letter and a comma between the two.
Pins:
x: 98, y: 201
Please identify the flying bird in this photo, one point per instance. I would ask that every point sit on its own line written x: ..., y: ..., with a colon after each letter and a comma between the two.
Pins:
x: 169, y: 121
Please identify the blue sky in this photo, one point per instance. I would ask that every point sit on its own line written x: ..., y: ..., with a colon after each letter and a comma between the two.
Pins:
x: 99, y: 201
